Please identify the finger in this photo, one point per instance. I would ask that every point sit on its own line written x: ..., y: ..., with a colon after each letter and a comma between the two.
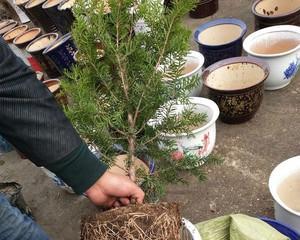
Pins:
x: 124, y: 201
x: 138, y: 195
x: 116, y: 204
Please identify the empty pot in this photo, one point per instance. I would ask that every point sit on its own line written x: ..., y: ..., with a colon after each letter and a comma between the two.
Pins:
x: 22, y: 40
x: 220, y: 39
x: 34, y: 7
x: 55, y: 88
x: 51, y: 8
x: 237, y: 86
x: 283, y: 212
x: 65, y: 9
x: 10, y: 25
x: 279, y: 46
x: 205, y: 8
x: 36, y: 48
x: 62, y: 52
x: 13, y: 33
x: 276, y: 12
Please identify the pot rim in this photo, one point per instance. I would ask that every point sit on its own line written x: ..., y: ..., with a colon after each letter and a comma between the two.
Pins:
x: 29, y: 30
x: 270, y: 17
x: 56, y: 5
x: 30, y: 1
x: 17, y: 27
x: 60, y: 40
x: 273, y: 188
x: 199, y: 101
x: 7, y: 23
x: 39, y: 38
x: 12, y: 24
x: 264, y: 31
x: 263, y: 65
x: 62, y: 3
x: 216, y: 22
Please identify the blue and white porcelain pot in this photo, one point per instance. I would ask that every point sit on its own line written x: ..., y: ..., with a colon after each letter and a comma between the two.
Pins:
x: 279, y: 46
x: 220, y: 39
x: 62, y: 52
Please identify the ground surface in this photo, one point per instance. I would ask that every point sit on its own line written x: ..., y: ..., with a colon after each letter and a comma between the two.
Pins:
x: 251, y: 150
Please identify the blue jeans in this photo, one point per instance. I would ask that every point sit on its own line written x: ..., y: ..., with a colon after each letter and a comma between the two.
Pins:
x: 16, y: 226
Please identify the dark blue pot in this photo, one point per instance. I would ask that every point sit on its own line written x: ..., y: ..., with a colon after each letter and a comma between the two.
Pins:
x: 62, y: 52
x: 282, y: 228
x: 215, y: 53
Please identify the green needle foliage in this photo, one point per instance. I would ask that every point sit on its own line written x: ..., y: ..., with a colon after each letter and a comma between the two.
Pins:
x: 125, y: 78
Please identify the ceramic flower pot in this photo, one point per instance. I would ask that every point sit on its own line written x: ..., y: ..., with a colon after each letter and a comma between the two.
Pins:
x: 205, y: 8
x: 13, y: 33
x: 36, y: 48
x: 220, y: 39
x: 269, y: 13
x: 54, y: 87
x: 283, y: 212
x: 26, y: 37
x: 62, y: 52
x: 237, y: 86
x: 58, y: 17
x: 65, y: 8
x: 192, y: 68
x: 10, y: 25
x: 34, y: 7
x: 21, y: 4
x: 202, y: 140
x: 279, y: 46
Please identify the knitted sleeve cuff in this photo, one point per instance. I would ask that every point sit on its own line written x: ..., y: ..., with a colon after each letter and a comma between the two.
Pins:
x: 80, y: 169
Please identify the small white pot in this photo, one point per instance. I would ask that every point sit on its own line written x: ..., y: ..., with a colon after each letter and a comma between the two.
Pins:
x: 202, y: 140
x: 196, y: 58
x: 283, y: 213
x: 283, y: 65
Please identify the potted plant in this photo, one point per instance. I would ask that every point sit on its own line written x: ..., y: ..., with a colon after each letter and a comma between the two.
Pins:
x: 117, y: 86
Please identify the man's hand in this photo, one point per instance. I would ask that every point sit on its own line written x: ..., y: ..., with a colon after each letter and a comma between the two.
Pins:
x: 113, y: 190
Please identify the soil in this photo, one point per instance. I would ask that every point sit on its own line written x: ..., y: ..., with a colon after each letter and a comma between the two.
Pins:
x: 140, y: 222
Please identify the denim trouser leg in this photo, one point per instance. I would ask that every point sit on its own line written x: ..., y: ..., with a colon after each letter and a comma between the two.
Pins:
x: 16, y: 226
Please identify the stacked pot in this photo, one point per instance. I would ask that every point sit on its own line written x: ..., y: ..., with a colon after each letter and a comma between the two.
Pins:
x: 50, y: 15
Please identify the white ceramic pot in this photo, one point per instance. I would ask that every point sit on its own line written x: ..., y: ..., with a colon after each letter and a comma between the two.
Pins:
x: 283, y: 213
x: 192, y: 67
x: 196, y: 59
x: 279, y: 46
x: 202, y: 140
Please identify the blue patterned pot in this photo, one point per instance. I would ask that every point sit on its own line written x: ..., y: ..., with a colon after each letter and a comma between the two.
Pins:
x: 62, y: 52
x: 279, y: 46
x: 220, y: 39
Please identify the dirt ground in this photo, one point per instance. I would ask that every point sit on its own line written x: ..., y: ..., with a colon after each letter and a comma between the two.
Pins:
x: 240, y: 185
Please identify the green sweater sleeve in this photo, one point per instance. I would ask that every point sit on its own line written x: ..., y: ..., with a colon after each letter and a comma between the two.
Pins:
x: 80, y: 169
x: 33, y: 122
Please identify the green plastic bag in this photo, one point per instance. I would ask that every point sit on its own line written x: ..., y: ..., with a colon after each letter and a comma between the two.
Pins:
x: 238, y: 227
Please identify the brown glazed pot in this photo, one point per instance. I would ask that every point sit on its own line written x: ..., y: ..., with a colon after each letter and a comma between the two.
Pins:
x: 237, y: 86
x: 26, y: 37
x: 55, y: 88
x: 10, y: 25
x: 34, y: 7
x: 13, y: 33
x: 276, y: 12
x: 205, y: 8
x: 36, y: 48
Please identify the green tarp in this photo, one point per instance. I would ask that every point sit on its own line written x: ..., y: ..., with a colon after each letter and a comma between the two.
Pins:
x: 238, y: 227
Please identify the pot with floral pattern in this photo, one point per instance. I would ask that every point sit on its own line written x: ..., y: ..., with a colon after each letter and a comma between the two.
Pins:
x: 237, y: 86
x: 279, y: 46
x: 201, y: 140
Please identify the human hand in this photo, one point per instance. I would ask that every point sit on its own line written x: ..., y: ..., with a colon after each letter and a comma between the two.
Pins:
x: 113, y: 190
